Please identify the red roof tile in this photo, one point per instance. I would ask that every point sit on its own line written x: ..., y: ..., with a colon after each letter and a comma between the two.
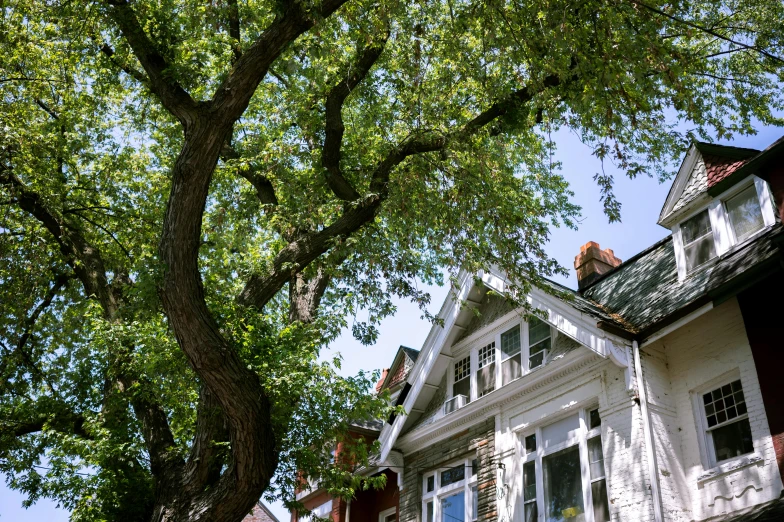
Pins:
x: 719, y: 167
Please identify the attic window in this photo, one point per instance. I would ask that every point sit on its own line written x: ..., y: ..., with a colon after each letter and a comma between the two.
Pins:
x: 745, y: 213
x: 698, y: 244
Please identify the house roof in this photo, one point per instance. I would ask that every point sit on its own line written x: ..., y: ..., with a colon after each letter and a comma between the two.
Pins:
x: 260, y: 513
x: 653, y: 274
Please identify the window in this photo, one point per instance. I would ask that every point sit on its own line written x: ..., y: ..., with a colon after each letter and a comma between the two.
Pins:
x: 572, y: 484
x: 462, y: 383
x: 498, y: 360
x: 728, y: 432
x: 698, y: 244
x: 511, y: 363
x: 485, y: 378
x: 389, y: 515
x: 321, y: 511
x: 450, y: 494
x: 745, y: 214
x: 538, y: 342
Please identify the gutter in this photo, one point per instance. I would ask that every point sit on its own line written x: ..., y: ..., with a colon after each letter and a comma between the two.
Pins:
x: 650, y: 450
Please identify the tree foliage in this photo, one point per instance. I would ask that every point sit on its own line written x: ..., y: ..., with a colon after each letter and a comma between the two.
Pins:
x: 196, y: 197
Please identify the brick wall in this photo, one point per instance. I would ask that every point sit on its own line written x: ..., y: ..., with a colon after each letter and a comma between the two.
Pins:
x: 711, y: 346
x: 478, y: 442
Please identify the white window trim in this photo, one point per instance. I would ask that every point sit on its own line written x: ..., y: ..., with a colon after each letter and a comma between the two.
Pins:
x: 580, y: 440
x: 707, y: 452
x: 439, y: 492
x: 723, y: 236
x: 472, y: 351
x: 384, y: 514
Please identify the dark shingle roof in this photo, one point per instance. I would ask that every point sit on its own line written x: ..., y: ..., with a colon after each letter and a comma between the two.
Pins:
x: 412, y: 354
x: 768, y: 512
x: 646, y: 290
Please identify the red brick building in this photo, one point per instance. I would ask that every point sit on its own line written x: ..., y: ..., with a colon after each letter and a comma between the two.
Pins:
x: 372, y: 505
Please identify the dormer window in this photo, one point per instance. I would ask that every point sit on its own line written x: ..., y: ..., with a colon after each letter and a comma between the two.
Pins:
x: 731, y: 218
x: 745, y: 214
x: 698, y: 243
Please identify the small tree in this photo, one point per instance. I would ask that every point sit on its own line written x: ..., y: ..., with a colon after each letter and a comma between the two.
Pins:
x: 195, y: 195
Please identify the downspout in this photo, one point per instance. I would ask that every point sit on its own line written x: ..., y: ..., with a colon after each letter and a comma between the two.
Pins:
x: 650, y: 450
x: 348, y: 511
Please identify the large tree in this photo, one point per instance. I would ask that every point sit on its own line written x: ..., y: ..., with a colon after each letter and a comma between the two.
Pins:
x: 196, y: 196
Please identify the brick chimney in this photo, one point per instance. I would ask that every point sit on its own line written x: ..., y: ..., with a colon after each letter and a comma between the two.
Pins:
x: 592, y: 262
x: 380, y: 382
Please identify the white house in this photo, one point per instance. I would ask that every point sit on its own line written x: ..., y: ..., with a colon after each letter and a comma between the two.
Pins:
x: 651, y: 393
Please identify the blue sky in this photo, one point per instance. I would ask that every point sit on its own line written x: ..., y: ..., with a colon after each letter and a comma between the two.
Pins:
x: 642, y: 199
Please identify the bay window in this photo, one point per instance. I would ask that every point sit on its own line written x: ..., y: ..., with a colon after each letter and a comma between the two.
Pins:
x: 563, y: 473
x: 449, y: 494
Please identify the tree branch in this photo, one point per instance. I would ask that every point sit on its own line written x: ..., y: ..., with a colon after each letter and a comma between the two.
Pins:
x: 297, y: 255
x: 58, y: 284
x: 334, y: 128
x: 134, y: 73
x: 232, y: 97
x: 172, y: 95
x: 64, y: 423
x: 234, y: 29
x: 264, y: 189
x: 207, y: 457
x: 707, y: 30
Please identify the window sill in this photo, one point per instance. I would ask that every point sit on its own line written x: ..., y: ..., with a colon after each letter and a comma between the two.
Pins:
x: 729, y: 467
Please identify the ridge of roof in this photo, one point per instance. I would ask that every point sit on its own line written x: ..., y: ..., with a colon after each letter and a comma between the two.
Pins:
x: 751, y: 164
x: 625, y: 264
x: 728, y: 151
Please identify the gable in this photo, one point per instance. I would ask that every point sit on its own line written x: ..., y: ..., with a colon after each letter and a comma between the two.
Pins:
x: 696, y: 185
x: 572, y: 322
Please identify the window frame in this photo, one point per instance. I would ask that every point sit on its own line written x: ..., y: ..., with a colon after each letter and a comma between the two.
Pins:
x: 712, y: 233
x: 384, y: 514
x: 704, y: 435
x: 580, y: 440
x: 439, y: 492
x: 724, y: 239
x: 471, y: 351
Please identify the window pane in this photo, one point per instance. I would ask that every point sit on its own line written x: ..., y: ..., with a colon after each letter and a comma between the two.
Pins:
x: 462, y: 388
x: 474, y: 467
x: 474, y: 503
x: 594, y: 421
x: 530, y: 443
x: 724, y: 404
x: 733, y: 440
x: 463, y: 368
x: 698, y: 240
x: 529, y: 481
x: 429, y: 512
x: 452, y: 475
x: 745, y: 214
x: 390, y: 518
x: 453, y: 508
x: 536, y: 360
x: 696, y: 227
x: 511, y: 369
x: 699, y: 252
x: 601, y: 508
x: 510, y: 342
x: 531, y: 513
x: 431, y: 483
x: 486, y: 355
x: 563, y: 493
x: 485, y: 379
x: 595, y: 457
x: 538, y: 330
x: 560, y: 431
